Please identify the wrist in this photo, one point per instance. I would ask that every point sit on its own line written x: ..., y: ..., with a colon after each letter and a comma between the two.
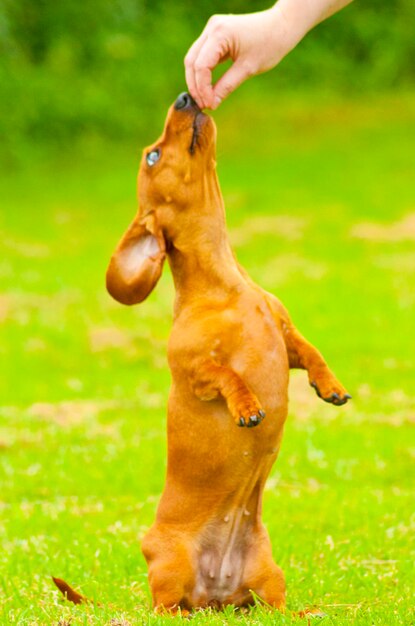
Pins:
x: 287, y: 30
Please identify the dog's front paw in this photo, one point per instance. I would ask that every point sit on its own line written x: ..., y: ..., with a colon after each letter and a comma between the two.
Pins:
x: 247, y: 411
x: 252, y: 420
x: 330, y: 390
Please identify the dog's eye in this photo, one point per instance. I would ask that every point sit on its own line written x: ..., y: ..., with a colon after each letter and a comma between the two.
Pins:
x: 153, y: 156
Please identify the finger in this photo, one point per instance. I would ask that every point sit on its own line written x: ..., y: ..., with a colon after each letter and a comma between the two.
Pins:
x: 212, y: 52
x: 227, y: 83
x: 189, y: 60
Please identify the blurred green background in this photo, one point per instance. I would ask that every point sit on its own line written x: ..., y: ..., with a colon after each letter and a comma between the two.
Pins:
x: 73, y: 69
x: 316, y: 162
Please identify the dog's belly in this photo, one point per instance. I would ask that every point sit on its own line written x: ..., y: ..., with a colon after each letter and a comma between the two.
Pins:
x: 220, y: 560
x: 228, y: 548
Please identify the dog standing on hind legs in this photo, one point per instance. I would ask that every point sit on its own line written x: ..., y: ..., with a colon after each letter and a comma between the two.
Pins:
x: 229, y: 352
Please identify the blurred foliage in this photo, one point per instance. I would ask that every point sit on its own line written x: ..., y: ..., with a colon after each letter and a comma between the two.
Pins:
x: 72, y: 69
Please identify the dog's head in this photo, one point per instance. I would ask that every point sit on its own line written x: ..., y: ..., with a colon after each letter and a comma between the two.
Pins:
x: 174, y: 183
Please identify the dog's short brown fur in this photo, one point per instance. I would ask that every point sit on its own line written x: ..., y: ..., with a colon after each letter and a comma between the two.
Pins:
x: 230, y: 351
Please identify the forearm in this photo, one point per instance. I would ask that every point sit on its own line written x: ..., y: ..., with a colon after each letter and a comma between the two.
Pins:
x: 297, y: 17
x: 300, y: 16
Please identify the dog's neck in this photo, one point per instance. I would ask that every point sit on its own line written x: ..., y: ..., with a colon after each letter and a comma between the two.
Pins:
x: 200, y: 255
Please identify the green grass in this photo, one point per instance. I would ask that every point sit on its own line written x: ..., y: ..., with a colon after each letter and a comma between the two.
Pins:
x: 317, y: 193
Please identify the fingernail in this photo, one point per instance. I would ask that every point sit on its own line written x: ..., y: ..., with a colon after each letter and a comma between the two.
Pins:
x: 216, y: 102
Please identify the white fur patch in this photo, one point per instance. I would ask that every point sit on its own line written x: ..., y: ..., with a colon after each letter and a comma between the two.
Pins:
x: 136, y: 253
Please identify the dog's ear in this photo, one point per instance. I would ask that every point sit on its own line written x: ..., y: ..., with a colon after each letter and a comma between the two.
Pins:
x: 137, y: 262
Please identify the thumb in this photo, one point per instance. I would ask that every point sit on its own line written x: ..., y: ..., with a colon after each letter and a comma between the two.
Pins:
x: 227, y: 83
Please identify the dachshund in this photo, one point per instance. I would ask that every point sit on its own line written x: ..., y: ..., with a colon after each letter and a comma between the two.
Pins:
x: 230, y: 350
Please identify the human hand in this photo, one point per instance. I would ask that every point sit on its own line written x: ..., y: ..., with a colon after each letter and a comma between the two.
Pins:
x: 255, y: 42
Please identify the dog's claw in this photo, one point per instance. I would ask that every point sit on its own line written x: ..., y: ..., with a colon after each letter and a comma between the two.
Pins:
x: 314, y: 385
x: 335, y: 398
x: 252, y: 420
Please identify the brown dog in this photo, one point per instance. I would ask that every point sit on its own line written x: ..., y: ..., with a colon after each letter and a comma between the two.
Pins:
x: 230, y: 350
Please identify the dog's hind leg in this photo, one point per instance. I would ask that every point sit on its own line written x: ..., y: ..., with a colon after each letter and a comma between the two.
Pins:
x: 167, y: 580
x: 262, y: 576
x: 170, y: 571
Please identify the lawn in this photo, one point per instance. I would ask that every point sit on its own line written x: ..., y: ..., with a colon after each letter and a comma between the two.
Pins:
x: 321, y: 210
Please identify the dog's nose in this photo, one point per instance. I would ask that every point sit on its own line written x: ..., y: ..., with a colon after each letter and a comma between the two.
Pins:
x: 185, y: 102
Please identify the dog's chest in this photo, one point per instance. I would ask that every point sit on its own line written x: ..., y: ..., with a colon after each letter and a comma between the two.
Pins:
x: 259, y: 354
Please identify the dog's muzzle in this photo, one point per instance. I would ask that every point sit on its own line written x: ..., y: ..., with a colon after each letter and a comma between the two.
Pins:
x: 185, y: 102
x: 187, y: 105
